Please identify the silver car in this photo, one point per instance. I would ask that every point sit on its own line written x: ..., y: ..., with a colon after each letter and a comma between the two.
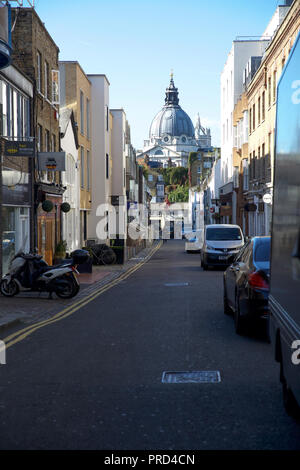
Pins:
x: 221, y: 244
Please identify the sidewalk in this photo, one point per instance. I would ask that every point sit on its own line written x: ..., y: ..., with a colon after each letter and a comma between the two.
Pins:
x: 29, y: 307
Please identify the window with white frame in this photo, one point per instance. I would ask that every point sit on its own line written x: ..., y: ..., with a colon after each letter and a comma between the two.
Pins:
x: 55, y: 87
x: 82, y: 167
x: 46, y: 72
x: 245, y: 127
x: 39, y: 71
x: 88, y: 183
x: 88, y: 118
x: 4, y: 108
x: 245, y: 174
x: 235, y: 136
x: 236, y: 177
x: 47, y: 141
x: 106, y: 117
x: 39, y: 138
x: 53, y: 143
x: 81, y: 112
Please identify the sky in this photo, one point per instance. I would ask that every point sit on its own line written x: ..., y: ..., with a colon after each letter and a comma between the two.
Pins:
x: 136, y: 44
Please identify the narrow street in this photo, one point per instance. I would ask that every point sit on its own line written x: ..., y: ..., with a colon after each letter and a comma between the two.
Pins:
x: 94, y: 379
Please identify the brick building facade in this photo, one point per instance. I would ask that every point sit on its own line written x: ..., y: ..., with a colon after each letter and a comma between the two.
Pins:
x: 36, y: 54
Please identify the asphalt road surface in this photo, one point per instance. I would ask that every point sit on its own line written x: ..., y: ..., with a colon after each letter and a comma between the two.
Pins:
x: 94, y: 379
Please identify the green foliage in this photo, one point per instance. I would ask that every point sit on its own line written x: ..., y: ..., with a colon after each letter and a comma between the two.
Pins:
x: 180, y: 194
x: 61, y: 248
x: 174, y: 175
x: 145, y: 172
x: 170, y: 188
x: 179, y: 175
x: 166, y: 172
x: 47, y: 205
x: 193, y: 156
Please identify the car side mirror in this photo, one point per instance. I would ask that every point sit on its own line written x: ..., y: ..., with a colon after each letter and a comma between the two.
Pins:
x: 231, y: 259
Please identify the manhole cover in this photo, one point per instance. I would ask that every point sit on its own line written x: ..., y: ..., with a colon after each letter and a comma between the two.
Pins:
x: 191, y: 377
x: 177, y: 284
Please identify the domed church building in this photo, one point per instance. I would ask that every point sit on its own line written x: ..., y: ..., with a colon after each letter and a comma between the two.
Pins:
x: 172, y: 133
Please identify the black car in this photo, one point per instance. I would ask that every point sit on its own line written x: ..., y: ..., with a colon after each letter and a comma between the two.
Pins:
x: 246, y: 285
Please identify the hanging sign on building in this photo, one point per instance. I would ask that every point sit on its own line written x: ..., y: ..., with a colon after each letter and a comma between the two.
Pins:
x: 18, y: 148
x: 51, y: 161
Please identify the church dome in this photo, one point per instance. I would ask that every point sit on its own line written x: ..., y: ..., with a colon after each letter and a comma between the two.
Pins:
x: 172, y: 120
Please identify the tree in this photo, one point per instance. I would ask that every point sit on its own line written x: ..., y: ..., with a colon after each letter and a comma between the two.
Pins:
x: 180, y: 194
x: 192, y: 158
x: 179, y: 175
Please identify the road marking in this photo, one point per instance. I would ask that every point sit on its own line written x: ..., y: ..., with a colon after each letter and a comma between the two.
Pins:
x: 25, y: 332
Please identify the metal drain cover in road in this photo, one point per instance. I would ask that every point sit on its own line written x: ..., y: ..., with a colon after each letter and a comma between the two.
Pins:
x: 177, y: 284
x: 191, y: 377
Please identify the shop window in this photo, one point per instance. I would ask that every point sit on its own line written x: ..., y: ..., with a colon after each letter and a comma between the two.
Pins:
x: 15, y: 233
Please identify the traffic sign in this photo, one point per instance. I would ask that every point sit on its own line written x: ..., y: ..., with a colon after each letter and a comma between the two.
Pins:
x: 267, y: 198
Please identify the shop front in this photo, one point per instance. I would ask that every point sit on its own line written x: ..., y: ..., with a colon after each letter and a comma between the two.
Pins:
x: 16, y: 209
x: 48, y: 224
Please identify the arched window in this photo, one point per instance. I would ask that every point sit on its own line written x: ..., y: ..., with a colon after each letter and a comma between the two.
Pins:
x: 159, y: 152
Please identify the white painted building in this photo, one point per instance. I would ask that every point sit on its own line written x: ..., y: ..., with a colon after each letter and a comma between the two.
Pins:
x: 231, y: 91
x: 70, y: 179
x: 101, y: 151
x: 118, y: 148
x: 276, y: 20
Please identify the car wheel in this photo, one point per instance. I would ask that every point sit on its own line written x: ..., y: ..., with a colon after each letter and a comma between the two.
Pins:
x: 239, y: 322
x: 227, y: 309
x: 289, y: 401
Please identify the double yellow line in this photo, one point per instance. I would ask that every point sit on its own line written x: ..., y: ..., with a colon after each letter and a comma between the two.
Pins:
x: 25, y: 332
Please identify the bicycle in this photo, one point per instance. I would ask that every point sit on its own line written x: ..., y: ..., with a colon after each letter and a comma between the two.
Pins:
x: 103, y: 254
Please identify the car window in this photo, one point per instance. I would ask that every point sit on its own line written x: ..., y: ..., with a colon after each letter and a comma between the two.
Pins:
x: 242, y: 251
x: 223, y: 234
x: 262, y: 250
x: 247, y: 255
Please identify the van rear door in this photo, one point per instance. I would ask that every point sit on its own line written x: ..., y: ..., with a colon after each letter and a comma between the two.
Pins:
x: 285, y: 257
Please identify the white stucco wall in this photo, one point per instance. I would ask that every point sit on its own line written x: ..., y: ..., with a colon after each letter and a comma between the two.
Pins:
x: 275, y: 21
x: 231, y: 90
x: 100, y: 147
x: 118, y: 152
x: 71, y: 179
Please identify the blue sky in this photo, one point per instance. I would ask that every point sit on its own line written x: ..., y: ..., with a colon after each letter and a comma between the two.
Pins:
x: 136, y: 43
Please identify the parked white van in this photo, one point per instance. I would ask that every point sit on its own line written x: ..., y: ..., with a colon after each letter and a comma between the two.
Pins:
x: 221, y: 243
